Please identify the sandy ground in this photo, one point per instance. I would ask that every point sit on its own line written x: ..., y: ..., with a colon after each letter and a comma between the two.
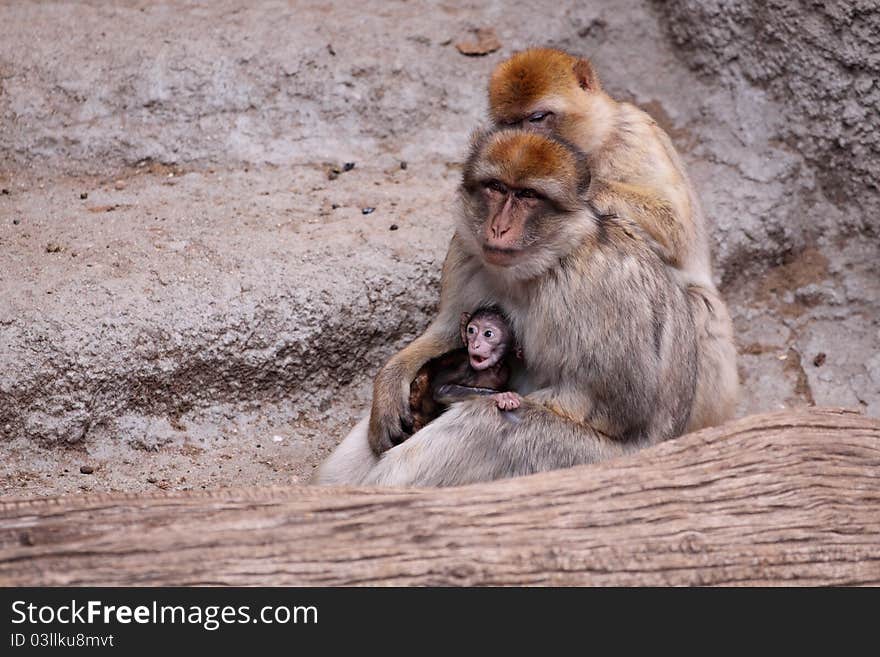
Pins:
x: 208, y: 327
x: 192, y: 297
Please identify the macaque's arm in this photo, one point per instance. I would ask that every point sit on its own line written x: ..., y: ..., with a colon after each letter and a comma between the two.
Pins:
x: 451, y: 392
x: 654, y: 214
x: 390, y: 417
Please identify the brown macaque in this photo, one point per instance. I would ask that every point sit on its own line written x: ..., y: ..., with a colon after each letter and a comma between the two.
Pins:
x: 610, y: 350
x: 480, y: 369
x: 636, y: 173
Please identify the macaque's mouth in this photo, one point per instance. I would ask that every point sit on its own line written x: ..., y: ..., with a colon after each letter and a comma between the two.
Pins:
x: 479, y: 362
x: 499, y: 256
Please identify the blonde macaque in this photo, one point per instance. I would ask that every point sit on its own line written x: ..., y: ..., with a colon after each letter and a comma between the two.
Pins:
x: 636, y: 173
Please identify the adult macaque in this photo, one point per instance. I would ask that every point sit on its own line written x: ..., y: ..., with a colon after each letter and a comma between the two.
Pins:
x: 606, y: 330
x: 636, y: 173
x: 481, y: 369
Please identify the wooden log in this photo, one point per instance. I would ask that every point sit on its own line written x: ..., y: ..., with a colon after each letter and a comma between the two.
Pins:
x: 781, y: 498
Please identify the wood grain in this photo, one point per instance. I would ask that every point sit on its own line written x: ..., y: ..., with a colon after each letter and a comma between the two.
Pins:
x: 783, y: 498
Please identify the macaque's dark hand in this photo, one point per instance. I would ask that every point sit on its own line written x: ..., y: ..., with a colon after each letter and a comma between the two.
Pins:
x: 507, y: 401
x: 390, y: 416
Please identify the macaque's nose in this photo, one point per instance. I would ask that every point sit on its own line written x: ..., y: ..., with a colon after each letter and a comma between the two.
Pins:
x: 502, y: 221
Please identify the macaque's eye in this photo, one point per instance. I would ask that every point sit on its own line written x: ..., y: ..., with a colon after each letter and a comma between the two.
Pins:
x: 496, y: 186
x: 471, y: 330
x: 537, y: 117
x: 527, y: 193
x: 487, y: 333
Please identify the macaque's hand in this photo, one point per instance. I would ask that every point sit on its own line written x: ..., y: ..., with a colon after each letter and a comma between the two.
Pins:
x: 507, y: 401
x: 390, y: 416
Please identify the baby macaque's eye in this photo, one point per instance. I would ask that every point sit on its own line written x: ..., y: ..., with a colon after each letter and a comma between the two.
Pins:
x: 487, y: 334
x: 471, y: 330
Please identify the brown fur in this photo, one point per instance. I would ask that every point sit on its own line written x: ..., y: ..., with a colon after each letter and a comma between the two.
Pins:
x: 451, y: 378
x: 522, y: 161
x: 450, y: 368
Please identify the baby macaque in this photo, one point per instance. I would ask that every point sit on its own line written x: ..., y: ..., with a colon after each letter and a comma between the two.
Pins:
x: 482, y: 368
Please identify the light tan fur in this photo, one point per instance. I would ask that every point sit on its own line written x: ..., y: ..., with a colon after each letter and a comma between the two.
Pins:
x: 606, y: 330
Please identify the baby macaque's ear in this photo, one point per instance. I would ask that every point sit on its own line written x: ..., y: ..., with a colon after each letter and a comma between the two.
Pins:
x: 462, y: 327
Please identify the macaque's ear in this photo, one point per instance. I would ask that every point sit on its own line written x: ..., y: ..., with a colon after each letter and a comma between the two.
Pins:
x: 586, y: 76
x: 462, y: 327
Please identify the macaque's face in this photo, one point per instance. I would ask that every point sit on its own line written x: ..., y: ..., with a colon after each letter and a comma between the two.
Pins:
x: 512, y: 222
x: 487, y: 341
x: 522, y: 209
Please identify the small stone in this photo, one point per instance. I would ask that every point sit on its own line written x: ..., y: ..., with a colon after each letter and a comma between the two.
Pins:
x: 335, y: 206
x: 333, y: 174
x: 84, y: 195
x: 348, y: 166
x: 368, y: 210
x: 5, y: 192
x: 819, y: 360
x: 392, y: 227
x: 277, y: 438
x: 403, y: 165
x: 52, y: 247
x: 86, y: 469
x: 151, y: 480
x: 484, y: 41
x: 119, y: 185
x: 15, y: 222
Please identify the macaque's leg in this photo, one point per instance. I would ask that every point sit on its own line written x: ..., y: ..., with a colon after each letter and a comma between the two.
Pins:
x: 350, y: 462
x: 507, y: 401
x: 473, y: 441
x: 718, y: 380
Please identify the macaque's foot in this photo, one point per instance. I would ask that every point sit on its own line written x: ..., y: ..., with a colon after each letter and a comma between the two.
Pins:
x: 507, y: 401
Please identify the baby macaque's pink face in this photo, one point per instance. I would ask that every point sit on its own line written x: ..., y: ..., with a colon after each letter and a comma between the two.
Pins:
x: 487, y: 341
